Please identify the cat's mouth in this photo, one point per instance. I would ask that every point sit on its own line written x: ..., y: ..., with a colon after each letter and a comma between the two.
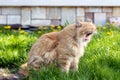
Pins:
x: 87, y: 36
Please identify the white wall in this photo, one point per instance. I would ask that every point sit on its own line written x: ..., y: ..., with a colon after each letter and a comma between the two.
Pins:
x: 59, y: 2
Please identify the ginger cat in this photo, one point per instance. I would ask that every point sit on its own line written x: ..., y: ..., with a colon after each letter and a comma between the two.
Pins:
x: 64, y: 47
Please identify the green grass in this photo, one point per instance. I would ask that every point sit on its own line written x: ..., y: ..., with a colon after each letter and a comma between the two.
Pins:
x: 101, y: 60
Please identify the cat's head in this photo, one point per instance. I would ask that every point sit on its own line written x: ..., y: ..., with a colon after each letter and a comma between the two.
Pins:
x: 85, y: 30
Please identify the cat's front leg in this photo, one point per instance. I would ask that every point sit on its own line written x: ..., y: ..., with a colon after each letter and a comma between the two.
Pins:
x: 74, y: 64
x: 64, y: 64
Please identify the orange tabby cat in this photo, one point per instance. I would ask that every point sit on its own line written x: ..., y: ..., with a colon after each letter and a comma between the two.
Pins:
x: 64, y: 47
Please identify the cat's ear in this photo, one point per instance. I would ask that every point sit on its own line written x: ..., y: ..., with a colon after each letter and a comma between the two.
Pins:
x: 78, y: 23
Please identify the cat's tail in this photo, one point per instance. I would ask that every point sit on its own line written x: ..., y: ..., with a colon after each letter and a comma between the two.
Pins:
x: 24, y: 69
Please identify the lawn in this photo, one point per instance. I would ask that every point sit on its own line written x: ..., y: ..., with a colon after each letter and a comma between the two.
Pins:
x: 101, y: 60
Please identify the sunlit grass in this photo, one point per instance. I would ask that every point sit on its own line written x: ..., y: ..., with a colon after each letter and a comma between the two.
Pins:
x: 101, y: 60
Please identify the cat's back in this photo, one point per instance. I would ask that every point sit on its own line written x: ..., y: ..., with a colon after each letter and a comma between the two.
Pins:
x: 44, y: 44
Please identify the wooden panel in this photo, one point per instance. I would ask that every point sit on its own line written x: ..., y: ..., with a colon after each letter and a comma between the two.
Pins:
x: 38, y: 13
x: 12, y: 10
x: 89, y: 16
x: 14, y: 19
x: 93, y: 9
x: 107, y: 9
x: 100, y: 18
x: 80, y: 12
x: 41, y: 22
x: 116, y: 12
x: 68, y: 15
x: 0, y: 10
x: 26, y: 16
x: 53, y: 13
x: 3, y: 19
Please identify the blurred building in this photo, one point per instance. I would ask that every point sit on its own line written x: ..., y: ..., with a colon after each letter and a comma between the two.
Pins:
x: 58, y: 12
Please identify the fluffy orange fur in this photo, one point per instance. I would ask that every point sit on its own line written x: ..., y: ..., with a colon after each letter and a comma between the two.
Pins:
x: 64, y: 47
